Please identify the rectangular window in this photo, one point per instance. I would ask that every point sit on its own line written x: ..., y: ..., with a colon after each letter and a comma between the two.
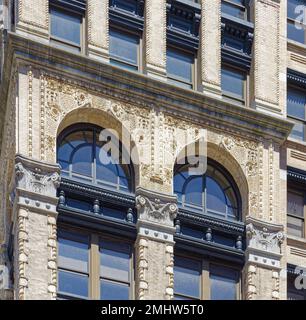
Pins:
x: 73, y: 271
x: 124, y: 49
x: 296, y: 24
x: 235, y: 8
x: 233, y: 84
x: 180, y: 68
x: 66, y: 28
x: 196, y: 279
x: 91, y: 267
x: 296, y: 111
x: 296, y: 208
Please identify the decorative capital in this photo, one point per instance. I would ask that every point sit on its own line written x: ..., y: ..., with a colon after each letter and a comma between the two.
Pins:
x: 264, y: 242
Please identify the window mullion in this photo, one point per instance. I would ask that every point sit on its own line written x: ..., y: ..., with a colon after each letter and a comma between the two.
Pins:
x: 205, y: 281
x: 94, y: 275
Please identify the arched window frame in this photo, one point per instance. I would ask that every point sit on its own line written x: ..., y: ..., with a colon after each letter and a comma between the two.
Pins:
x: 93, y: 180
x: 204, y: 209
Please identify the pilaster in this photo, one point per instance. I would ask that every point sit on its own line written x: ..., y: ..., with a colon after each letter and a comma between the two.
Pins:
x: 32, y: 18
x: 155, y: 38
x: 154, y: 245
x: 267, y: 56
x: 98, y: 29
x: 34, y: 228
x: 210, y: 47
x: 262, y: 271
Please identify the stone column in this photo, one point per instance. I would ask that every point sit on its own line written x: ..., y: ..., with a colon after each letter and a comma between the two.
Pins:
x: 266, y: 54
x: 34, y: 228
x: 155, y: 38
x: 263, y: 260
x: 98, y: 29
x: 154, y: 245
x: 32, y: 18
x: 210, y: 47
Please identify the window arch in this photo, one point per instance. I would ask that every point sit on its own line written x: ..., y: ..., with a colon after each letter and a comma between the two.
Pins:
x: 213, y: 193
x: 82, y: 157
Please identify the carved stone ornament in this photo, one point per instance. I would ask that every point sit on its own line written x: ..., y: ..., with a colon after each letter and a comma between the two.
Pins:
x: 36, y: 176
x: 261, y: 238
x: 156, y: 207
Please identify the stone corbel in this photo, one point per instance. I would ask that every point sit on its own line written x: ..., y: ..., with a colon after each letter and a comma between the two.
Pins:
x: 156, y: 214
x: 264, y: 242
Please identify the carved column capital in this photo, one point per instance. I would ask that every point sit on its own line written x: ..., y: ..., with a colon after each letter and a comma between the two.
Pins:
x: 35, y: 184
x: 156, y: 214
x: 264, y: 242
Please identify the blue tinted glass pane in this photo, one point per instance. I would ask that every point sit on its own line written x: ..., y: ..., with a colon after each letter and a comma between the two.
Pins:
x: 106, y: 170
x: 187, y: 277
x: 66, y: 26
x: 125, y: 5
x: 115, y: 260
x: 73, y: 251
x: 233, y: 10
x: 124, y: 47
x: 78, y: 204
x: 179, y: 65
x: 223, y: 283
x: 114, y: 291
x: 294, y: 8
x: 114, y: 213
x: 179, y: 181
x: 296, y: 32
x: 298, y: 131
x: 296, y: 103
x: 215, y: 196
x: 82, y: 160
x: 180, y: 24
x: 73, y: 283
x: 194, y: 191
x: 233, y: 82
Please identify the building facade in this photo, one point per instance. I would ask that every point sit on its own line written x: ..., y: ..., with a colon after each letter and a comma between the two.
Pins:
x: 159, y: 77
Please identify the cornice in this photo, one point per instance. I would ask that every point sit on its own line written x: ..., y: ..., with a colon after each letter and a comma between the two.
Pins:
x: 141, y: 90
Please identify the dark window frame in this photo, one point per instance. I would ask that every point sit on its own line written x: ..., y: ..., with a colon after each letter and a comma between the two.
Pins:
x: 206, y: 263
x: 137, y: 34
x: 244, y: 8
x: 94, y: 276
x: 228, y: 95
x: 173, y: 79
x: 66, y: 44
x: 293, y: 118
x: 291, y: 21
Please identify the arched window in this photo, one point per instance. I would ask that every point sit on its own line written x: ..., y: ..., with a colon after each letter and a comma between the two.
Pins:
x: 82, y: 157
x: 213, y: 193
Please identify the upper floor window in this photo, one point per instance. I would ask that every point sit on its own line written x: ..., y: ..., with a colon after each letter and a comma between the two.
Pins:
x: 233, y: 83
x: 180, y: 67
x: 124, y: 49
x: 296, y: 111
x: 296, y: 211
x: 201, y: 279
x: 213, y: 193
x: 66, y: 26
x: 82, y: 156
x: 91, y: 266
x: 235, y: 8
x: 293, y: 293
x: 296, y: 24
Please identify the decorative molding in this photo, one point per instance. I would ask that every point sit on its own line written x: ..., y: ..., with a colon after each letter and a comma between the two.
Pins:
x: 142, y: 266
x: 251, y: 290
x: 183, y: 21
x: 264, y: 242
x: 296, y: 175
x: 295, y: 77
x: 36, y: 177
x: 237, y: 31
x: 52, y: 260
x: 155, y: 207
x: 76, y: 5
x: 170, y: 272
x: 30, y: 111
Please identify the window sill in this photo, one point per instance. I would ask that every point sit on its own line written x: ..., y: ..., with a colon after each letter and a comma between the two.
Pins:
x: 296, y: 242
x: 297, y: 142
x: 296, y: 47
